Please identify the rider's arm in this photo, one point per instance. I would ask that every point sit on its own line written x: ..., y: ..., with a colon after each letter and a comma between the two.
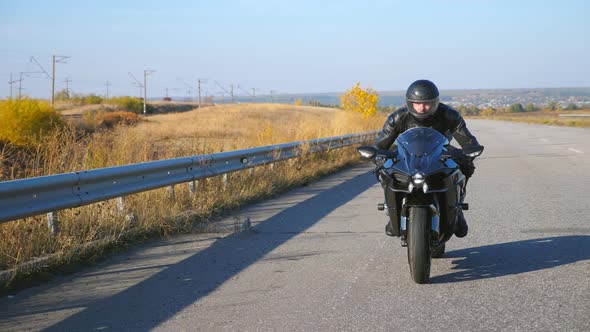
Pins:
x: 389, y: 132
x: 462, y: 135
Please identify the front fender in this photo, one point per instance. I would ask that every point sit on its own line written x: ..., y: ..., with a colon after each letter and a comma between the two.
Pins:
x: 435, y: 214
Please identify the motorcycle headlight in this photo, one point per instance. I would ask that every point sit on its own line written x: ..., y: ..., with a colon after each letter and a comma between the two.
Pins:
x: 418, y: 180
x: 474, y: 154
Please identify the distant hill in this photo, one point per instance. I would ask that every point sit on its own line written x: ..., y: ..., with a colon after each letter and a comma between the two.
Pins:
x: 478, y: 97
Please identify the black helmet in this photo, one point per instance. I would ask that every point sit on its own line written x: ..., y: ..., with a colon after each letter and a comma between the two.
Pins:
x: 422, y: 91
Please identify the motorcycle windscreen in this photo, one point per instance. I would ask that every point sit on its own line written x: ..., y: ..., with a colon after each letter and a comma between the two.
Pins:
x: 420, y: 147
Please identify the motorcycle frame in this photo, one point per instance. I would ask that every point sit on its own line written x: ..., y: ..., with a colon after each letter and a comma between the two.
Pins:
x: 398, y: 202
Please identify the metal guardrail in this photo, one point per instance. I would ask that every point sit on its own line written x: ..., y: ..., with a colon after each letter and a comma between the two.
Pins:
x: 34, y: 196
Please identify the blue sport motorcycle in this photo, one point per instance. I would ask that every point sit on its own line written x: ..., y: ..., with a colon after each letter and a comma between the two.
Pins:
x: 424, y: 193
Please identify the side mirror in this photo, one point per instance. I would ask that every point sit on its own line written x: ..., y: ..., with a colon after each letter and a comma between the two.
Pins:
x: 367, y: 152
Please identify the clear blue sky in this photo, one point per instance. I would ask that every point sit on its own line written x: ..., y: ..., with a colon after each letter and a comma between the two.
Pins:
x: 296, y: 46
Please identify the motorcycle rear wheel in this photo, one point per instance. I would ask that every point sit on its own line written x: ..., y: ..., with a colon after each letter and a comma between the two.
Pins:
x: 419, y: 256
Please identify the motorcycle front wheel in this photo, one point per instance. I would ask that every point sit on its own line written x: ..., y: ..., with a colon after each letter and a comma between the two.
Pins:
x: 419, y: 256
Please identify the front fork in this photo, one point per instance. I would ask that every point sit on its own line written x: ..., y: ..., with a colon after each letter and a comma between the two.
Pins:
x: 434, y: 226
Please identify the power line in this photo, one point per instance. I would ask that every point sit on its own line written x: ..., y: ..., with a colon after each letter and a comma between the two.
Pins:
x: 32, y: 59
x: 246, y: 92
x: 137, y: 82
x: 253, y: 95
x: 21, y: 79
x: 230, y: 92
x: 188, y: 87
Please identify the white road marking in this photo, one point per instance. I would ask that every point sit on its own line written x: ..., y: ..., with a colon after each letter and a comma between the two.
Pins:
x: 575, y: 150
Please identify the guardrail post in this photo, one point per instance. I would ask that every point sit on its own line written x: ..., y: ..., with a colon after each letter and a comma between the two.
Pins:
x: 272, y: 167
x: 121, y: 204
x: 171, y: 193
x: 225, y: 180
x: 129, y: 217
x: 192, y: 188
x: 52, y: 223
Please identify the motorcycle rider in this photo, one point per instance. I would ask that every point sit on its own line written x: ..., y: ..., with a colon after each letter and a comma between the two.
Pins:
x: 423, y: 109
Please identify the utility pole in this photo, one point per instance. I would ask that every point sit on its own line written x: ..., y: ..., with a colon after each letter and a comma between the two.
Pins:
x: 200, y: 80
x: 12, y: 82
x: 271, y: 99
x: 67, y: 81
x: 107, y: 86
x: 20, y: 84
x: 231, y: 92
x: 199, y: 87
x: 56, y: 59
x: 145, y: 75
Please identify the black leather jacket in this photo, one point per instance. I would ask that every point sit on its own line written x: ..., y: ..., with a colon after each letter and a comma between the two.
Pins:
x: 446, y: 120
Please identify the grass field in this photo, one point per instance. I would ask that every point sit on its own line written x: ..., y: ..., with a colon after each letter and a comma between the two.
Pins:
x: 207, y: 130
x: 544, y: 117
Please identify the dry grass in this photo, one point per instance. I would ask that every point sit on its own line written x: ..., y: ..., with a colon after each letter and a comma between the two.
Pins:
x: 544, y: 117
x: 211, y: 129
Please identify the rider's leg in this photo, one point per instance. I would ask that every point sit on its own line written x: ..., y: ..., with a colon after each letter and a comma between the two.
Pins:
x: 391, y: 227
x: 467, y: 168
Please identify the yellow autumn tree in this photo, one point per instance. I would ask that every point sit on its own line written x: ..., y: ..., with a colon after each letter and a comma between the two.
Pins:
x: 360, y: 100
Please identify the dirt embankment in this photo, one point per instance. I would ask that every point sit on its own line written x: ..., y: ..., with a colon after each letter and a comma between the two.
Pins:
x: 173, y: 106
x: 160, y: 107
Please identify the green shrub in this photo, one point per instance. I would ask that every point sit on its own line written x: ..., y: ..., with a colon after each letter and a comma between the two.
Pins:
x: 130, y: 104
x: 91, y: 99
x: 26, y: 121
x: 62, y: 95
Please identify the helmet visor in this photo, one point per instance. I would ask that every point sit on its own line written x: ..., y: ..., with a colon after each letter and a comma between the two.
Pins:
x: 422, y: 109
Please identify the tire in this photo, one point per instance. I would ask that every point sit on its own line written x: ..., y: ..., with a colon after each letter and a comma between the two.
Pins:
x: 438, y: 251
x: 419, y: 244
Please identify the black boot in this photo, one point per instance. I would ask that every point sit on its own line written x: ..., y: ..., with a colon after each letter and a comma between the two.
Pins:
x: 461, y: 228
x: 389, y: 229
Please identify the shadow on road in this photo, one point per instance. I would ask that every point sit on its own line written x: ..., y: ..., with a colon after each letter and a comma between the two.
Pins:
x: 157, y: 299
x: 510, y: 258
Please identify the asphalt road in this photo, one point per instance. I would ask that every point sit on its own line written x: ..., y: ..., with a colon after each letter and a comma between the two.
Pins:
x: 318, y: 259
